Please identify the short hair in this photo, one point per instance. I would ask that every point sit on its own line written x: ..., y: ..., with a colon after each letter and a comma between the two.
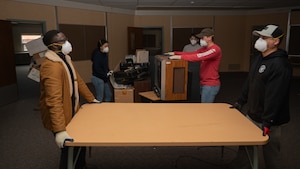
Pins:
x: 194, y: 35
x: 101, y: 42
x: 48, y: 37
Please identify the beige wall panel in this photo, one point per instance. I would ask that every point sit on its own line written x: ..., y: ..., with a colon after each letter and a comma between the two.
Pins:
x: 192, y: 21
x: 146, y: 21
x: 28, y: 11
x: 84, y: 69
x: 230, y: 36
x: 80, y: 17
x: 117, y: 36
x: 157, y: 21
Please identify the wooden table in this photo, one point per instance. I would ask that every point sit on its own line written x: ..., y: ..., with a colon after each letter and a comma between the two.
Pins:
x: 162, y: 124
x: 150, y: 95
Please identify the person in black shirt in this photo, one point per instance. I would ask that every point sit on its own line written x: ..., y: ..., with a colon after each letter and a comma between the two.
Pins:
x: 267, y: 92
x: 101, y: 72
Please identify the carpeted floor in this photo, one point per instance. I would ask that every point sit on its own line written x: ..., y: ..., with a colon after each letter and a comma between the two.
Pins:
x: 25, y: 144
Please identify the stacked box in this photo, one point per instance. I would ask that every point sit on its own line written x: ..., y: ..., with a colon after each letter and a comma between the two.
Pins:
x: 142, y: 56
x: 124, y: 95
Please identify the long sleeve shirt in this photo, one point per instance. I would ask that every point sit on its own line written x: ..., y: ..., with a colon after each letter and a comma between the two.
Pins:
x: 100, y: 65
x: 267, y: 89
x: 210, y: 58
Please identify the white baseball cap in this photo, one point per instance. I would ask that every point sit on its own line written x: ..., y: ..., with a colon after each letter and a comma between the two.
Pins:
x: 269, y: 31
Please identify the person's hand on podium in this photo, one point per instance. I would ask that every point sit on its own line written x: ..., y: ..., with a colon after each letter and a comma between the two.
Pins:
x: 175, y: 57
x: 61, y: 137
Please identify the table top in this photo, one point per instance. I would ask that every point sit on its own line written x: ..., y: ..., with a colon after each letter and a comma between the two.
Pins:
x: 162, y: 124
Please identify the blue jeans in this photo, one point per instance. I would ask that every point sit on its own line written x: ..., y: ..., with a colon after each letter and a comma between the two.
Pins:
x: 103, y: 92
x: 208, y: 93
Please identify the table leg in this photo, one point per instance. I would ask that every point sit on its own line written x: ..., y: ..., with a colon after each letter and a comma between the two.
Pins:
x: 72, y: 162
x: 255, y: 157
x: 70, y: 157
x: 254, y: 160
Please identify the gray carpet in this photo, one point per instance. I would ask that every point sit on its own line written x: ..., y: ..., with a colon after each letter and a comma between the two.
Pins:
x: 25, y: 144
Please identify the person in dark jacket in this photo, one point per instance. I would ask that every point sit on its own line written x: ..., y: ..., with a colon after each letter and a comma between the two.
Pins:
x: 266, y: 92
x: 101, y: 72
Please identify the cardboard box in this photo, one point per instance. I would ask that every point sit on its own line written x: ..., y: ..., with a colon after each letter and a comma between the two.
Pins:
x: 124, y: 95
x: 142, y: 56
x: 36, y: 46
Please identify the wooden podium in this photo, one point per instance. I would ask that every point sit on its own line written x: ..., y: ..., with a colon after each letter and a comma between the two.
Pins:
x: 171, y: 77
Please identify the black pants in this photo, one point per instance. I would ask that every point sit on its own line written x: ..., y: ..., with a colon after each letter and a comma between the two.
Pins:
x: 64, y: 157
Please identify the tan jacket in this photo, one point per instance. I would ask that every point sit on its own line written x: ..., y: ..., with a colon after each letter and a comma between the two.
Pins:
x: 56, y: 92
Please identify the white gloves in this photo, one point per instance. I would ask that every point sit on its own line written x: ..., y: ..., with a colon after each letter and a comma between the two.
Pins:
x: 175, y: 57
x: 61, y: 137
x: 95, y: 101
x: 169, y: 53
x: 110, y: 73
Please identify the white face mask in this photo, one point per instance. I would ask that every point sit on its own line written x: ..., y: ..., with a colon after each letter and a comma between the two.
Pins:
x: 193, y: 42
x: 260, y: 45
x: 203, y: 42
x: 106, y: 50
x: 66, y: 48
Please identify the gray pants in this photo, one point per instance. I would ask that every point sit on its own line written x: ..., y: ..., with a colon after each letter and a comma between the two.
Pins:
x: 272, y: 151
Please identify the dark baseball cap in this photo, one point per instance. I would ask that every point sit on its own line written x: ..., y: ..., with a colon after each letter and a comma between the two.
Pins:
x: 205, y: 32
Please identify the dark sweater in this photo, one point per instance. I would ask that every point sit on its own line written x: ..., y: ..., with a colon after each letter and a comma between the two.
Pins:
x: 100, y: 65
x: 267, y: 89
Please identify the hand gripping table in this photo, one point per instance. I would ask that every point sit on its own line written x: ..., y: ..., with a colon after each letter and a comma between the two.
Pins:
x: 162, y: 124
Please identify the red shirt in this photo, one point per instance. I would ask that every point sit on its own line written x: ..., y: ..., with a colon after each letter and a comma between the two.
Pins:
x: 210, y: 58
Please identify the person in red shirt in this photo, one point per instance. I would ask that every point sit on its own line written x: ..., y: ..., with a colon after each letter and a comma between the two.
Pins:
x: 210, y: 57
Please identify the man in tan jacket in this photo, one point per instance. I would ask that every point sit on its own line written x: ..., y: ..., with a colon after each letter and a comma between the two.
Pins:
x: 60, y: 88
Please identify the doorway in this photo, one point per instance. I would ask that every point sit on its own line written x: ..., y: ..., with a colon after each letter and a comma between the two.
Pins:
x: 149, y: 39
x: 23, y: 32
